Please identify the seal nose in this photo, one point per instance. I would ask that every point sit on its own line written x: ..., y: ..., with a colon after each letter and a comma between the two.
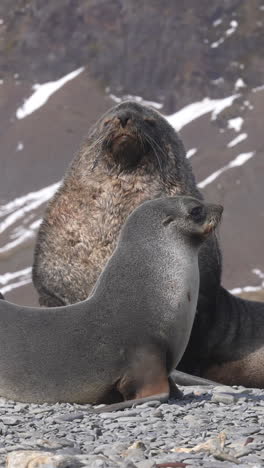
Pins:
x: 123, y: 118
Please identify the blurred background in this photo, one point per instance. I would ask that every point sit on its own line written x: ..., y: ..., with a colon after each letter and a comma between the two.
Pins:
x: 64, y: 62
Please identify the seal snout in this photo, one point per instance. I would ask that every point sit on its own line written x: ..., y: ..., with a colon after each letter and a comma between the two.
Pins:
x: 124, y: 117
x: 124, y: 144
x: 213, y: 218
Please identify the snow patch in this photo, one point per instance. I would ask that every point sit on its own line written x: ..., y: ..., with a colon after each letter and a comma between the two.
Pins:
x: 257, y: 272
x: 21, y: 235
x: 191, y: 152
x: 17, y: 208
x: 238, y: 161
x: 20, y: 146
x: 258, y: 88
x: 42, y: 94
x: 10, y: 281
x: 218, y: 81
x: 139, y: 99
x: 229, y: 32
x: 235, y: 124
x: 197, y: 109
x: 216, y: 44
x: 245, y: 289
x: 237, y: 140
x: 240, y: 83
x: 217, y: 22
x: 233, y: 27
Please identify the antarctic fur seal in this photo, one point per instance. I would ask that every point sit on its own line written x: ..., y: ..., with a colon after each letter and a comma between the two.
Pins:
x: 123, y: 341
x: 133, y: 154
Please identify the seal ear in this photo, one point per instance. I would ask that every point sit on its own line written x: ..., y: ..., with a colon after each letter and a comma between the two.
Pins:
x: 168, y: 220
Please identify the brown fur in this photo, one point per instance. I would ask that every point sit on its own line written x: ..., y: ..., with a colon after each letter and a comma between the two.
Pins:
x: 245, y: 371
x: 100, y: 190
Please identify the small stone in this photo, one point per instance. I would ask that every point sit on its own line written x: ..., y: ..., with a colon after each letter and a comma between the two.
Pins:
x: 69, y: 417
x: 118, y: 414
x: 150, y: 404
x: 226, y: 398
x: 146, y: 464
x: 27, y: 458
x: 9, y: 421
x: 49, y: 444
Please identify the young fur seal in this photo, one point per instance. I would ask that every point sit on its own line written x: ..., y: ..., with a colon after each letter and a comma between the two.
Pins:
x: 123, y: 341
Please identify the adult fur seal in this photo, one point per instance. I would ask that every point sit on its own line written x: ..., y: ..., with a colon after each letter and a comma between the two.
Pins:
x: 133, y: 154
x: 123, y: 341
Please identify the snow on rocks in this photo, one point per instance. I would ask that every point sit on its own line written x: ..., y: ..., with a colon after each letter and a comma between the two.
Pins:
x: 237, y: 140
x: 208, y: 426
x: 235, y: 124
x: 191, y: 152
x: 238, y: 161
x: 139, y: 99
x: 195, y: 110
x: 42, y: 93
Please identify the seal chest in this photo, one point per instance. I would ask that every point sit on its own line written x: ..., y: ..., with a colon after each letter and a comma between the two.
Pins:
x: 140, y: 305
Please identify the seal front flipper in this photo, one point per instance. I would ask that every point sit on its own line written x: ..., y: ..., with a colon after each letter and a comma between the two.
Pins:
x: 174, y: 393
x: 145, y: 376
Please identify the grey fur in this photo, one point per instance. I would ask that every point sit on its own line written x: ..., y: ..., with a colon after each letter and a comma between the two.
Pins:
x: 124, y: 340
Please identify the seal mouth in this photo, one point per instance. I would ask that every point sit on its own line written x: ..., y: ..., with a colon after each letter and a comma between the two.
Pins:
x: 209, y: 226
x: 213, y: 219
x: 126, y: 150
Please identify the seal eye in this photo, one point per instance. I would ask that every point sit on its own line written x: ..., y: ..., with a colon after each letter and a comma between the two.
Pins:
x: 150, y: 122
x: 168, y: 220
x: 197, y: 213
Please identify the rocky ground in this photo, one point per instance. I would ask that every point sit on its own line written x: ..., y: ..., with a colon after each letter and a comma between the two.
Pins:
x: 209, y: 427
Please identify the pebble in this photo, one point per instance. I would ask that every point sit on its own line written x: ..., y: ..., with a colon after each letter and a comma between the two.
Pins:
x: 226, y: 398
x: 140, y: 437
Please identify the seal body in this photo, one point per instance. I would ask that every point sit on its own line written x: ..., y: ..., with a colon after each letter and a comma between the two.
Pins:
x: 236, y: 342
x: 131, y: 154
x: 123, y: 341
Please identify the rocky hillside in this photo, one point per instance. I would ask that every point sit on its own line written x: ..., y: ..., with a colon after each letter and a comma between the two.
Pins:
x: 175, y: 53
x: 171, y: 51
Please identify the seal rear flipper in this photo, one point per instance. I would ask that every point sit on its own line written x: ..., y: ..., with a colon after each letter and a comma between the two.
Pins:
x: 182, y: 378
x: 174, y: 393
x: 146, y: 375
x: 162, y: 398
x: 2, y: 297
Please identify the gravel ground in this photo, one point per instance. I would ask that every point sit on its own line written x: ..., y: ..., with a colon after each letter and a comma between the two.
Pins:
x: 209, y: 427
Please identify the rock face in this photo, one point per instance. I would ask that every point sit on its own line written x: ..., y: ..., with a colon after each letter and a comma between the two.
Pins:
x: 202, y: 48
